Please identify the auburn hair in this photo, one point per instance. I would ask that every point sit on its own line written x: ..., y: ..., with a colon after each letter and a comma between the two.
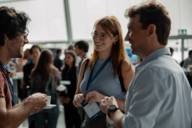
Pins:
x: 111, y: 26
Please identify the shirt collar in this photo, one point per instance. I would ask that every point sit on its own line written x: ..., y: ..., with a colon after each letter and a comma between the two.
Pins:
x: 4, y: 68
x: 154, y: 55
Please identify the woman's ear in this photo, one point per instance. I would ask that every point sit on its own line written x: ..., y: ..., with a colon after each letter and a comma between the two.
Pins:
x: 151, y: 29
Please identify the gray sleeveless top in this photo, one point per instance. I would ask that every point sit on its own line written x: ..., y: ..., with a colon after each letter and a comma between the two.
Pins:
x: 105, y: 82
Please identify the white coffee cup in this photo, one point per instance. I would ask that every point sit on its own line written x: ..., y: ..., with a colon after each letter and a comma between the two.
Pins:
x: 48, y: 100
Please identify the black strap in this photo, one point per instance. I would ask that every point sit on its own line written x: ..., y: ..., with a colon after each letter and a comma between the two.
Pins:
x: 86, y: 61
x: 121, y: 78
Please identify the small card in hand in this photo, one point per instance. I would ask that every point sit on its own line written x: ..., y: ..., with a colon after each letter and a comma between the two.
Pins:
x: 91, y: 109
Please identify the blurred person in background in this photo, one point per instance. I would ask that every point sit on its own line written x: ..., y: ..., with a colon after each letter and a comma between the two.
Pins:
x: 45, y: 78
x: 188, y: 61
x: 71, y: 47
x: 72, y: 117
x: 57, y: 60
x: 81, y: 50
x: 13, y: 37
x: 27, y: 56
x: 35, y: 52
x: 19, y: 68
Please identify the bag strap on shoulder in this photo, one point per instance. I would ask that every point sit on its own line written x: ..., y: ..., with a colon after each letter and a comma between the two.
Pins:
x: 120, y: 77
x: 86, y: 62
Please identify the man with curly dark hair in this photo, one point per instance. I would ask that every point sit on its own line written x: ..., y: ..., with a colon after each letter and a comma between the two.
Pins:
x: 13, y: 37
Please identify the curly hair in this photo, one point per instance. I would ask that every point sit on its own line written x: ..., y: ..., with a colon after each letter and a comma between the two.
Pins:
x: 11, y: 23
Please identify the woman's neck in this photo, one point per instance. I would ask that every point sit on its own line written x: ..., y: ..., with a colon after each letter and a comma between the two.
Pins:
x: 104, y: 55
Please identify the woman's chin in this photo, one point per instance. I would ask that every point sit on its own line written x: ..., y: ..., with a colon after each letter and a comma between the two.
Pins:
x: 98, y: 49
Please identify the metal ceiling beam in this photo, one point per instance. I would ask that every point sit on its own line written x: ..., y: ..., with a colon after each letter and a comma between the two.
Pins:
x: 68, y: 21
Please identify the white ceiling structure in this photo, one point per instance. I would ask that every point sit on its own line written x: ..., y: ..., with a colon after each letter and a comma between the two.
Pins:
x: 49, y: 23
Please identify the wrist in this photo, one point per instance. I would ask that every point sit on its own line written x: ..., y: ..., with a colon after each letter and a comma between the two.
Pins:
x: 27, y: 105
x: 115, y: 115
x: 111, y: 110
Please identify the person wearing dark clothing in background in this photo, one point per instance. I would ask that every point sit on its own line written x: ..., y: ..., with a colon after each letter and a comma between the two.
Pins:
x: 47, y: 76
x: 57, y: 61
x: 72, y: 117
x: 35, y: 52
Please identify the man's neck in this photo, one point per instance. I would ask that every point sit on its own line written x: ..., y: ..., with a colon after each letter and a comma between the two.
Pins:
x: 153, y: 46
x: 4, y: 56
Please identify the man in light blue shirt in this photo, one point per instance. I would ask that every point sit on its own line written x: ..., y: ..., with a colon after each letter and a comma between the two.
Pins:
x: 159, y: 96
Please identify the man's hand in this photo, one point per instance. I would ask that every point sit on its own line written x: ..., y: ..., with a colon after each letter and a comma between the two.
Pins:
x: 94, y: 96
x: 36, y: 101
x: 106, y: 102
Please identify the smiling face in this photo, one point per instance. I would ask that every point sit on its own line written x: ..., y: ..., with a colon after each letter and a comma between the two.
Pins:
x: 137, y: 36
x: 103, y: 41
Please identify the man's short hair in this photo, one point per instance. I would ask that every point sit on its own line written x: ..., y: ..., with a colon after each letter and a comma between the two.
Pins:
x: 58, y: 51
x: 190, y: 53
x: 153, y: 13
x: 11, y: 23
x: 83, y: 45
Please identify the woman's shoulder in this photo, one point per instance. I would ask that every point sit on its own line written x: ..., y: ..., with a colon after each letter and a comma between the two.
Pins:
x: 85, y: 63
x: 126, y: 64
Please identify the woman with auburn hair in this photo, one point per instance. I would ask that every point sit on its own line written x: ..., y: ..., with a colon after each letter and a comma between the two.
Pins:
x: 108, y: 72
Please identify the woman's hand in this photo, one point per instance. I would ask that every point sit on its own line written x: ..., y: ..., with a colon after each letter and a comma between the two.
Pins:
x: 94, y: 96
x: 78, y: 99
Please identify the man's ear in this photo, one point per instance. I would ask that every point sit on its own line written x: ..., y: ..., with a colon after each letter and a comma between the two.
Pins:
x: 151, y: 30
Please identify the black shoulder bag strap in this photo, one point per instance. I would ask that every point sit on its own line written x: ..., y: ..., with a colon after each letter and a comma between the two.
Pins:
x: 86, y: 61
x: 121, y: 78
